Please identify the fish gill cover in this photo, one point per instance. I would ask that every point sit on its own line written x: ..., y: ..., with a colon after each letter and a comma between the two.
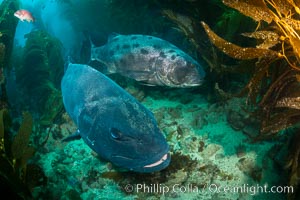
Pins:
x: 215, y: 138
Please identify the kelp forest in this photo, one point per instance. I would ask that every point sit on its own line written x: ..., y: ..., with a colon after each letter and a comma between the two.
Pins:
x: 250, y: 50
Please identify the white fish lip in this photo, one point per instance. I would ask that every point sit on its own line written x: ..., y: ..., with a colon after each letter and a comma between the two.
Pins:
x: 163, y: 158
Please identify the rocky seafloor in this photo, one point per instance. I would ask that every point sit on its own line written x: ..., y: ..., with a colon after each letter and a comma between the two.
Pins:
x: 211, y: 149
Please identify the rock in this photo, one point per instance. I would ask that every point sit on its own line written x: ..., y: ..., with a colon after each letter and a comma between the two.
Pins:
x: 235, y: 120
x: 248, y: 167
x: 210, y: 150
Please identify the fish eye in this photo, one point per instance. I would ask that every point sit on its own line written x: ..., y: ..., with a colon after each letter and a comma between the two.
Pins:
x: 115, y: 133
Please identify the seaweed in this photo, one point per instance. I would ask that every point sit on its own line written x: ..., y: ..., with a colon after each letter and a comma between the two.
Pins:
x: 17, y: 176
x: 274, y: 86
x: 38, y: 76
x: 8, y: 25
x: 293, y: 163
x: 20, y: 150
x: 274, y: 81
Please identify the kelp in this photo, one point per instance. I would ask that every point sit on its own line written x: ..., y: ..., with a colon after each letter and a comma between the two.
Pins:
x: 277, y: 57
x: 19, y: 148
x: 276, y: 46
x: 275, y: 83
x: 15, y: 172
x: 293, y: 163
x: 256, y: 9
x: 236, y: 51
x: 8, y: 25
x: 38, y: 75
x: 185, y: 24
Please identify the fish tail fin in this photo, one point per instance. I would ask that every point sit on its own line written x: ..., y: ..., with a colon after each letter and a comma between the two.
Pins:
x: 91, y: 42
x: 92, y: 47
x: 67, y: 63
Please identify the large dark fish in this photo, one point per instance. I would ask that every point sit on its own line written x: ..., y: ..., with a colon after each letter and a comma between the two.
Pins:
x: 112, y: 122
x: 149, y: 59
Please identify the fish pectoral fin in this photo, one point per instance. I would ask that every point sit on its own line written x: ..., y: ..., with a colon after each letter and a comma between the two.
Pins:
x: 73, y: 136
x: 148, y: 84
x: 112, y: 35
x: 138, y: 75
x: 101, y: 66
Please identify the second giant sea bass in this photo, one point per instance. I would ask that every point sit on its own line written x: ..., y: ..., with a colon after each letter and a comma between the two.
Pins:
x: 149, y: 59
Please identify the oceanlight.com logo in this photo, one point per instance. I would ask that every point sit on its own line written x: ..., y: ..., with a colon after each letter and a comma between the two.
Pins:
x: 212, y: 188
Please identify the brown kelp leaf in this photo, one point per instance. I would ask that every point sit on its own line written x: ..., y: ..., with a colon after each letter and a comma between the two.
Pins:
x: 256, y: 9
x: 295, y: 4
x: 293, y: 162
x: 233, y: 50
x: 282, y: 6
x: 277, y: 89
x: 291, y: 99
x: 295, y: 24
x: 224, y: 95
x: 21, y: 140
x: 260, y: 72
x: 289, y: 102
x: 269, y: 38
x: 280, y: 121
x: 253, y: 87
x: 27, y: 153
x: 2, y: 52
x: 184, y: 22
x: 295, y: 42
x: 2, y: 123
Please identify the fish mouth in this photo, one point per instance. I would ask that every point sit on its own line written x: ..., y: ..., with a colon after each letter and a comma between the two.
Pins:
x: 132, y: 165
x: 193, y: 84
x: 161, y: 160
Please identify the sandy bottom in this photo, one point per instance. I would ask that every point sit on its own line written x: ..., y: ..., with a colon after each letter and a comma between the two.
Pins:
x: 210, y: 160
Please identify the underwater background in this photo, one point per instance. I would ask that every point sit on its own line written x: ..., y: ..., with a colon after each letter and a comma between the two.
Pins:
x: 234, y: 137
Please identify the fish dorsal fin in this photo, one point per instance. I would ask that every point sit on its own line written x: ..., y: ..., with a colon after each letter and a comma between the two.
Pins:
x: 112, y: 36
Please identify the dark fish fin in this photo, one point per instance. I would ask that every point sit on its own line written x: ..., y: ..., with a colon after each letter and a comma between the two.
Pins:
x: 91, y: 42
x: 67, y: 63
x: 100, y: 66
x: 112, y: 35
x: 74, y: 136
x: 137, y: 75
x: 147, y: 84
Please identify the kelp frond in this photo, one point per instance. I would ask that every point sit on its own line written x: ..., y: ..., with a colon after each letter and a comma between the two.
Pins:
x: 269, y: 38
x: 275, y: 84
x: 293, y: 163
x: 280, y: 41
x: 257, y: 9
x: 15, y: 153
x: 279, y: 12
x: 19, y: 148
x: 236, y: 51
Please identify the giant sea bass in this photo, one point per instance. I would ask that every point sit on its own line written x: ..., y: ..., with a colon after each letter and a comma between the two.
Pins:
x: 149, y: 59
x: 112, y: 122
